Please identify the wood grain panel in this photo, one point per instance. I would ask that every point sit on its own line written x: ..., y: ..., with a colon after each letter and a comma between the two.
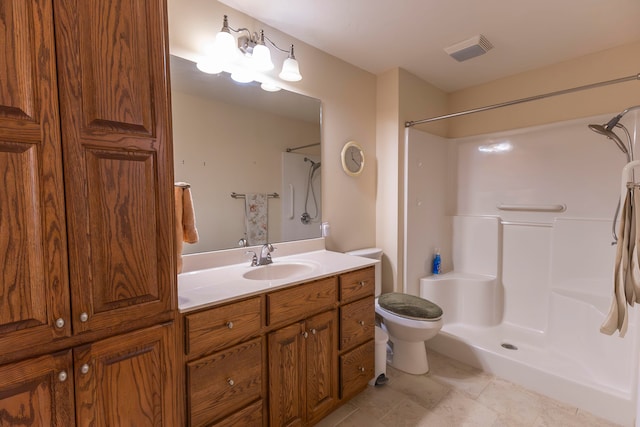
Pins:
x: 116, y: 94
x: 252, y: 415
x: 34, y: 289
x: 18, y: 90
x: 357, y: 284
x: 356, y: 369
x: 299, y: 302
x: 128, y: 377
x: 32, y: 393
x: 122, y: 199
x: 357, y: 322
x: 287, y: 386
x: 322, y: 364
x: 219, y: 327
x: 224, y: 382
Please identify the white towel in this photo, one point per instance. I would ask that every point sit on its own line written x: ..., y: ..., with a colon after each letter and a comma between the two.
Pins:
x: 256, y: 218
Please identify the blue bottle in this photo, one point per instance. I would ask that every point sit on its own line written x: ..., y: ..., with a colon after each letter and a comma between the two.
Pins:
x: 436, y: 267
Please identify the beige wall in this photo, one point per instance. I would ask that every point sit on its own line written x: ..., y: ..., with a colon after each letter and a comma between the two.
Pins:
x: 348, y: 97
x: 611, y: 64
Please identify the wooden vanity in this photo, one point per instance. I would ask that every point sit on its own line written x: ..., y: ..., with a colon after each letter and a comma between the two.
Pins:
x: 283, y: 357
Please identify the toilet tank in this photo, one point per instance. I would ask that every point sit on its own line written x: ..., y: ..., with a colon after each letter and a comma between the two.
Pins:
x: 372, y: 253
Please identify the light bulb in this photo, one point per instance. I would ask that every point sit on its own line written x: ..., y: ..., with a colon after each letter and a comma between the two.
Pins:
x: 290, y: 70
x: 270, y: 87
x: 261, y: 58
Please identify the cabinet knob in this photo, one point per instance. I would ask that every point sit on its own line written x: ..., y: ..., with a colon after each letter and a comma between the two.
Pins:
x: 313, y: 331
x: 230, y: 324
x: 361, y: 322
x: 84, y: 317
x: 60, y: 323
x: 84, y: 369
x: 361, y: 369
x: 362, y: 283
x: 62, y: 376
x: 305, y: 334
x: 230, y: 381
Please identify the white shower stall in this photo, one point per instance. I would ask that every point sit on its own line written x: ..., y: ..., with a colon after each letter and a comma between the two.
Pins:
x: 523, y: 220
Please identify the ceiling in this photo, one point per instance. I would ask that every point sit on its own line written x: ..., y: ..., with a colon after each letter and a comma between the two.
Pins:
x: 379, y: 35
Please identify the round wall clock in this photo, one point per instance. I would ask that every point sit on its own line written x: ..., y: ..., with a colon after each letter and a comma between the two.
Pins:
x: 352, y: 158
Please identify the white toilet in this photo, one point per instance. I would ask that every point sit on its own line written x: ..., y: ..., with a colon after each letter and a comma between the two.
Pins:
x: 409, y: 320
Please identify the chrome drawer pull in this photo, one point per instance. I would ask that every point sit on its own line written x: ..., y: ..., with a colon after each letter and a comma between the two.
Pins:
x: 84, y: 369
x: 84, y: 317
x: 230, y: 382
x: 305, y: 334
x: 361, y: 322
x: 313, y: 331
x: 62, y: 376
x: 230, y: 324
x: 361, y: 369
x: 60, y: 323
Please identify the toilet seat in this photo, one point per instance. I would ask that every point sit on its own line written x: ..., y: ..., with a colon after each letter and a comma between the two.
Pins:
x: 410, y: 307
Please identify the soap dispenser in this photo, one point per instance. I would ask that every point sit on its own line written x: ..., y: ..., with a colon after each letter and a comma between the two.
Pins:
x: 437, y: 262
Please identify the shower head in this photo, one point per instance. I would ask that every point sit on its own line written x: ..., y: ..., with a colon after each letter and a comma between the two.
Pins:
x: 603, y: 130
x: 614, y: 121
x: 314, y: 165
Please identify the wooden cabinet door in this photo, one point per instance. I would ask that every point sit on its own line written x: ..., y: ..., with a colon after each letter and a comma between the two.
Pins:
x: 118, y: 166
x: 286, y: 376
x: 33, y: 249
x: 127, y: 380
x: 37, y: 392
x: 322, y: 364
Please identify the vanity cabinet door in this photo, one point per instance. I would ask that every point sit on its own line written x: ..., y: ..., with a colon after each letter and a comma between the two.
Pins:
x: 34, y: 294
x: 116, y: 140
x: 38, y: 392
x: 127, y: 380
x: 287, y: 385
x: 321, y: 346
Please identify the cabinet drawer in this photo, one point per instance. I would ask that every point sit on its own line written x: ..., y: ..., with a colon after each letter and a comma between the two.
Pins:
x: 357, y: 322
x: 357, y: 284
x: 221, y: 384
x: 220, y: 327
x: 356, y: 369
x: 298, y: 302
x: 249, y: 416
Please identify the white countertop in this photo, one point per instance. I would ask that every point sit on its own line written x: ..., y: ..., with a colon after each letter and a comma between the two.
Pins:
x: 205, y: 287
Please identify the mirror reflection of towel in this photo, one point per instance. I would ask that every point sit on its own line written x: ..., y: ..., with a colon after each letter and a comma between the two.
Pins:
x: 185, y: 220
x: 256, y: 218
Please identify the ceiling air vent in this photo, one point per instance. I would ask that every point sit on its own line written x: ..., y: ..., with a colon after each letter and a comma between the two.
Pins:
x: 470, y: 48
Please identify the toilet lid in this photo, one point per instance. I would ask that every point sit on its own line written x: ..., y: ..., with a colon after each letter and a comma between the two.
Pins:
x: 409, y: 306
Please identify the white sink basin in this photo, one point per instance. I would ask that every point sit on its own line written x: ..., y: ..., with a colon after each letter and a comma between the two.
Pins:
x: 278, y: 271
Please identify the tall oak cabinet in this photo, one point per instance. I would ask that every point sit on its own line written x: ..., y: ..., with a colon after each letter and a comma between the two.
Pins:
x: 87, y: 272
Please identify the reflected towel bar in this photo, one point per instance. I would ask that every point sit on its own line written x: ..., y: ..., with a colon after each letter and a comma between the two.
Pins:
x: 242, y: 196
x: 182, y: 185
x: 532, y: 208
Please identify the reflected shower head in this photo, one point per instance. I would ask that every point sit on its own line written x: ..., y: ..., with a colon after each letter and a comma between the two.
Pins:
x: 314, y: 165
x: 603, y: 130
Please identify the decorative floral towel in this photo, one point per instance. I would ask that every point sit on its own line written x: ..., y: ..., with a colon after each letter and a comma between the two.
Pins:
x: 256, y: 218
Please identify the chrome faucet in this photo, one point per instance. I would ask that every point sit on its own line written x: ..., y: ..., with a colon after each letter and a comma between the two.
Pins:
x: 265, y: 254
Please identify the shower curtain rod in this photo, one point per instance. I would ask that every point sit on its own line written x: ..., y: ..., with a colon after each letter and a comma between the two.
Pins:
x: 301, y: 147
x: 520, y: 101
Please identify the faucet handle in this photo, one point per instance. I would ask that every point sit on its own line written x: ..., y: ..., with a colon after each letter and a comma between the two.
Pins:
x: 254, y: 258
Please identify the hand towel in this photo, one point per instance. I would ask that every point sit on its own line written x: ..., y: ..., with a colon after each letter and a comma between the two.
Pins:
x: 256, y: 218
x: 185, y: 220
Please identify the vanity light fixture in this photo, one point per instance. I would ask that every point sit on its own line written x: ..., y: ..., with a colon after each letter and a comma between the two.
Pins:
x: 248, y: 59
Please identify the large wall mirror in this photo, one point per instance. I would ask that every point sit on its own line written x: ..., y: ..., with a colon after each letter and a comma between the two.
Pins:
x: 237, y: 140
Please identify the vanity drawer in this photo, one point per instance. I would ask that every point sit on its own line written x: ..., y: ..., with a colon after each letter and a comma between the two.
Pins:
x: 220, y: 327
x: 357, y: 322
x: 356, y: 369
x: 252, y: 415
x: 357, y: 284
x: 300, y: 301
x: 221, y: 384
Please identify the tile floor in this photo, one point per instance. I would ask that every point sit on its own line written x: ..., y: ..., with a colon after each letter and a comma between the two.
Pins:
x: 453, y: 394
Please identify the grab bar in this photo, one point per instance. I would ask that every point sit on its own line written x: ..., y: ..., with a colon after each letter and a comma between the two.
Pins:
x: 532, y: 208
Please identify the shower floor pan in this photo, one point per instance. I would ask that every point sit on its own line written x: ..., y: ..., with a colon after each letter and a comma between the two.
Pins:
x: 521, y: 356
